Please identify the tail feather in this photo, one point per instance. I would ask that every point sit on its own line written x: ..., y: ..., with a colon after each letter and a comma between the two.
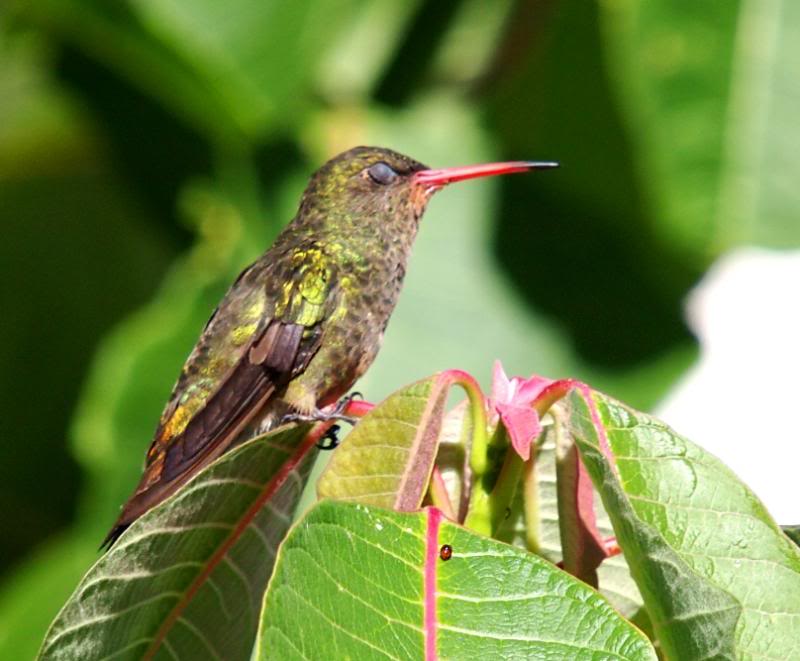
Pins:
x: 113, y: 536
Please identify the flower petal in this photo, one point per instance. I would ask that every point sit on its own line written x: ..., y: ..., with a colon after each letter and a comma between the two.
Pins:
x: 529, y: 389
x: 501, y: 385
x: 522, y: 425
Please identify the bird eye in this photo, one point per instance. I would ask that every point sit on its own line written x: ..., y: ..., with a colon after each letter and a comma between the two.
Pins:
x: 381, y: 173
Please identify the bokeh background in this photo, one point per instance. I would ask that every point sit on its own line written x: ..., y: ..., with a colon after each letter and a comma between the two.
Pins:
x: 149, y: 149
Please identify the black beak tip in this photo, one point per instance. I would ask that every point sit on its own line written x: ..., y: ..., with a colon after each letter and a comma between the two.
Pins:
x: 542, y: 165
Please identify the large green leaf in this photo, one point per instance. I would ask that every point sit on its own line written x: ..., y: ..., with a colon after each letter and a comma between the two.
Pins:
x: 389, y: 455
x: 366, y: 583
x: 380, y: 458
x: 187, y: 578
x: 717, y: 575
x: 387, y: 459
x: 541, y: 532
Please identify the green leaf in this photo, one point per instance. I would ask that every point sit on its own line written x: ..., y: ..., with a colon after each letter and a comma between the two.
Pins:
x: 718, y: 577
x: 542, y: 532
x: 708, y: 91
x: 358, y: 582
x: 188, y: 577
x: 110, y: 34
x: 259, y: 56
x: 371, y: 464
x: 674, y: 65
x: 792, y: 532
x: 233, y: 70
x: 387, y: 459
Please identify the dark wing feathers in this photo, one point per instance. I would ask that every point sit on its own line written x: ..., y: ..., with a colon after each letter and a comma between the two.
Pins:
x: 279, y: 350
x: 258, y: 373
x: 214, y: 428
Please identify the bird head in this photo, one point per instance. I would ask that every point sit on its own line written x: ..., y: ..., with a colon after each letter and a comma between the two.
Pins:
x: 377, y: 183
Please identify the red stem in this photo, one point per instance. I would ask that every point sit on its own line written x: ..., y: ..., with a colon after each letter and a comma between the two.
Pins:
x: 268, y: 490
x: 358, y: 408
x: 431, y: 560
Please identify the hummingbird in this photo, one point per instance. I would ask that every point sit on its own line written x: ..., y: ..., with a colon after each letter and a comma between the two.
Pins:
x: 300, y: 325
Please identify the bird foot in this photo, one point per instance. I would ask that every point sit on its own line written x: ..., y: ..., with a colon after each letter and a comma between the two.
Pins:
x: 321, y: 415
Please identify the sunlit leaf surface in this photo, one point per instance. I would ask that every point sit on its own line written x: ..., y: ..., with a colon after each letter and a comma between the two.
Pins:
x: 361, y: 582
x: 186, y: 580
x: 718, y: 576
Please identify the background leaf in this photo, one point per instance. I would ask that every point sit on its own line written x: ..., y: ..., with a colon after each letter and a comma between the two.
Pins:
x: 260, y: 58
x: 675, y: 71
x: 709, y: 90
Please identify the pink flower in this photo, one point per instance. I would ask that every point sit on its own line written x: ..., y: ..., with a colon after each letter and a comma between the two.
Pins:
x: 512, y: 401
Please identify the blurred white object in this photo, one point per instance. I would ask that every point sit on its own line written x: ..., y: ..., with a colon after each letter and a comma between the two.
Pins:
x: 739, y: 401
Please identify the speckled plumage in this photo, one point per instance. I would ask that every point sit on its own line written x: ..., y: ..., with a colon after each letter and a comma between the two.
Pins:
x: 298, y: 327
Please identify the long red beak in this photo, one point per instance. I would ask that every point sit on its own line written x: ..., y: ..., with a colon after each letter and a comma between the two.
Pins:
x: 438, y: 178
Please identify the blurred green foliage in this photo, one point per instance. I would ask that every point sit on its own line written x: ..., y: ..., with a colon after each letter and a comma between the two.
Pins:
x: 150, y: 148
